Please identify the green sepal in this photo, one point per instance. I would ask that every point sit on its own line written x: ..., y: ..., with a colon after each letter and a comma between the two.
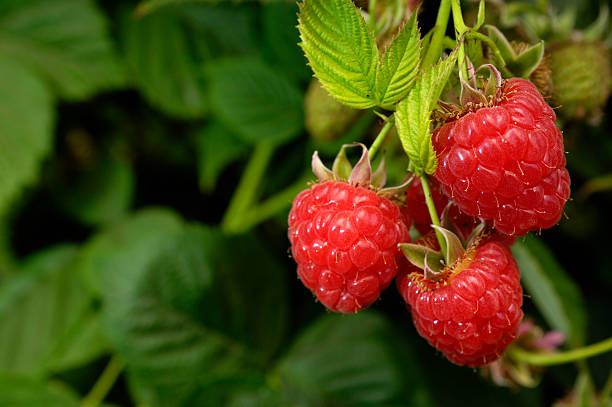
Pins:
x: 320, y: 170
x: 423, y: 257
x: 597, y: 30
x: 361, y: 174
x: 505, y: 49
x: 342, y: 166
x: 454, y: 247
x: 480, y: 19
x: 379, y: 178
x: 527, y: 61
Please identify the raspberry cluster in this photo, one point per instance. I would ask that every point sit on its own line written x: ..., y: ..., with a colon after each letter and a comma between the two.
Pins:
x: 501, y: 173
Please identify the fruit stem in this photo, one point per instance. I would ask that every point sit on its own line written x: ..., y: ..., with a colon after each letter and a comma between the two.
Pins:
x: 380, y: 139
x: 460, y: 29
x: 434, y: 50
x: 541, y: 359
x: 104, y: 384
x: 434, y: 216
x: 497, y: 56
x: 245, y: 193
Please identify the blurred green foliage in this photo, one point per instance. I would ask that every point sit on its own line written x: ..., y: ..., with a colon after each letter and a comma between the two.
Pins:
x: 124, y: 131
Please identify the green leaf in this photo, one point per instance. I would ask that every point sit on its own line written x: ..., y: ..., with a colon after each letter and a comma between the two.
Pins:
x: 255, y: 101
x: 349, y: 361
x: 26, y: 125
x: 164, y: 64
x: 181, y: 309
x: 280, y: 36
x: 65, y: 40
x: 340, y: 49
x: 399, y: 66
x: 217, y: 147
x: 43, y: 310
x: 551, y: 289
x: 16, y: 391
x: 413, y: 115
x: 100, y: 194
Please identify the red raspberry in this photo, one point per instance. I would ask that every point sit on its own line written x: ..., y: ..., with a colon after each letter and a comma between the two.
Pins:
x: 506, y: 163
x: 344, y: 239
x: 472, y: 312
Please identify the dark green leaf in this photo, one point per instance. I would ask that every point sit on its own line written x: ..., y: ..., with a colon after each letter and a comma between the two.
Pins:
x: 165, y: 61
x: 349, y: 361
x: 18, y: 391
x: 65, y: 40
x: 26, y: 124
x: 100, y: 194
x: 44, y: 309
x: 217, y: 147
x: 281, y: 36
x: 340, y: 49
x: 551, y: 289
x: 185, y: 306
x: 255, y: 101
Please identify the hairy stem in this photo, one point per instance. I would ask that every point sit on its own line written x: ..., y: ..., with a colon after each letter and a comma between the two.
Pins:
x: 433, y: 214
x: 380, y: 139
x: 460, y: 29
x: 104, y: 384
x: 573, y: 355
x: 246, y: 192
x: 434, y: 50
x: 497, y: 56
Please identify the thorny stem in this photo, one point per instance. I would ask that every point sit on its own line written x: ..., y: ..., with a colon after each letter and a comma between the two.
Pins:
x: 434, y: 215
x: 245, y: 193
x: 460, y: 29
x: 541, y: 359
x: 435, y: 47
x: 104, y: 384
x: 380, y: 139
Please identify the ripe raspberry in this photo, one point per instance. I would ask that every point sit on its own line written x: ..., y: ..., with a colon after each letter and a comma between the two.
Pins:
x: 472, y: 312
x: 506, y: 163
x: 344, y: 239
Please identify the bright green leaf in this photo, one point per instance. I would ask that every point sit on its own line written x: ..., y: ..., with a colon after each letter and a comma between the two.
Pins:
x: 255, y: 101
x: 399, y: 65
x: 65, y: 40
x: 340, y: 49
x: 551, y: 289
x: 217, y: 147
x: 26, y: 125
x: 350, y: 361
x: 413, y: 115
x: 164, y: 64
x: 43, y: 310
x: 16, y: 391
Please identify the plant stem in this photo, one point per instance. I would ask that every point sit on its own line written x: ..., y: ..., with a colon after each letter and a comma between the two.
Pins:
x: 433, y: 214
x: 460, y: 29
x: 497, y: 56
x: 573, y: 355
x: 273, y: 204
x: 380, y: 139
x: 104, y: 384
x: 435, y: 46
x: 245, y: 193
x: 606, y: 392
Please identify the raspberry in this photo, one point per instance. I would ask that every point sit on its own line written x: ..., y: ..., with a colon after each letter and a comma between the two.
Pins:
x: 472, y: 312
x: 506, y: 163
x: 344, y: 239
